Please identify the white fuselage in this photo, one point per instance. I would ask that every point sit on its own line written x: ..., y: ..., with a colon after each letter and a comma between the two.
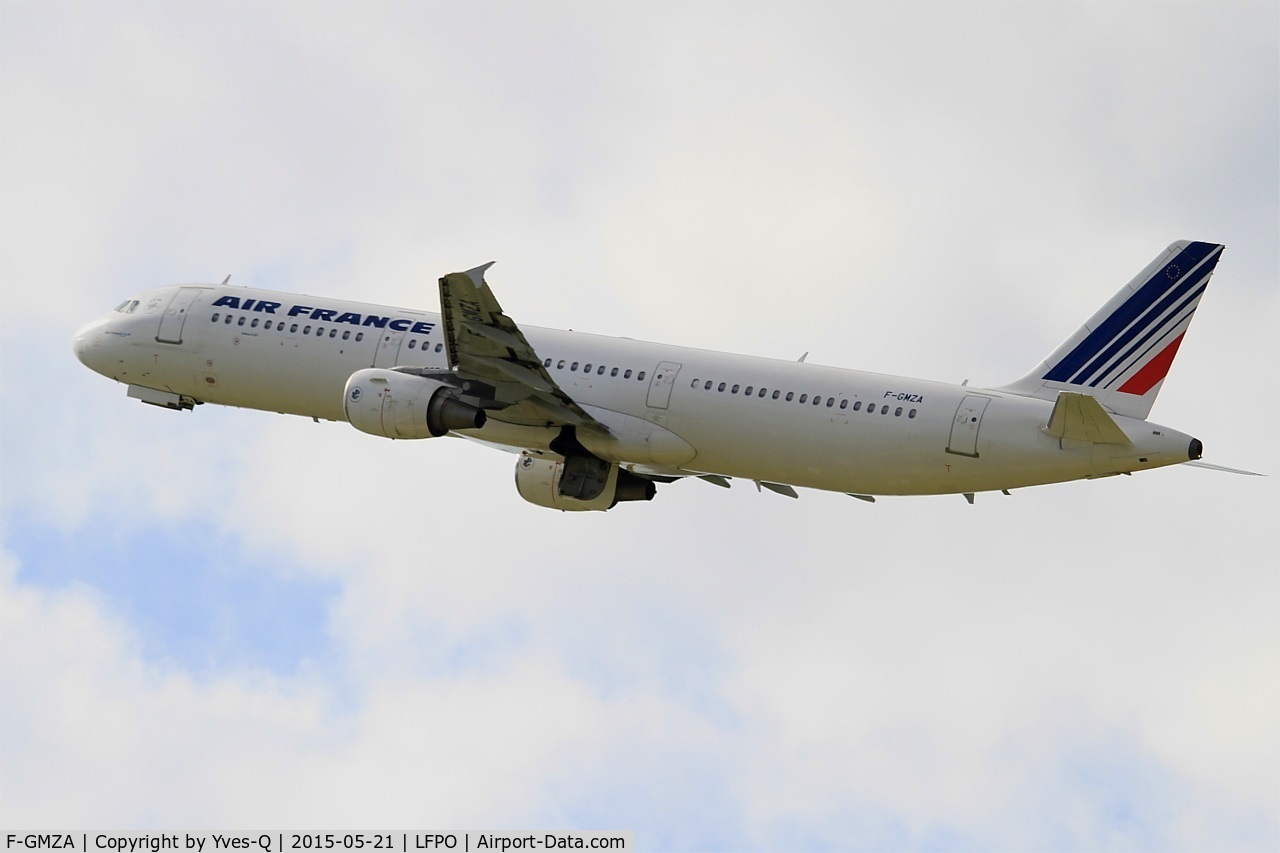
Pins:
x: 685, y: 411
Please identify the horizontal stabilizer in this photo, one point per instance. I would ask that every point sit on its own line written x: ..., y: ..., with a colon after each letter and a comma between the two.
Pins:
x: 1079, y: 417
x: 1223, y: 468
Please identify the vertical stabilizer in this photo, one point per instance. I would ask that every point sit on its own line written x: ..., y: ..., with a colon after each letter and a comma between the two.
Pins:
x: 1122, y: 355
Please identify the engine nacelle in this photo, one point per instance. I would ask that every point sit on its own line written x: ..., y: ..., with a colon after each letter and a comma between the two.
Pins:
x: 400, y: 405
x: 578, y: 483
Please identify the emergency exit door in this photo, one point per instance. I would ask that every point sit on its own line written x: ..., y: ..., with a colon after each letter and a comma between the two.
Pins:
x: 664, y: 376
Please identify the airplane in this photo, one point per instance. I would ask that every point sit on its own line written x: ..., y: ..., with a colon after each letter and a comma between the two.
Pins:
x: 599, y: 421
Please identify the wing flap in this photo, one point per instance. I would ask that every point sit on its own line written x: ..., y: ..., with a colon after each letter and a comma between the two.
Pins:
x: 512, y: 370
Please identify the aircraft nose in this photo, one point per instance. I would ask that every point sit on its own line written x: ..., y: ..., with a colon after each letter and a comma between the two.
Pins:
x: 78, y: 345
x: 85, y: 343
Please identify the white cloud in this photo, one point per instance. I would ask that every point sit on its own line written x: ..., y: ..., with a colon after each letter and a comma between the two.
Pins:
x: 945, y: 192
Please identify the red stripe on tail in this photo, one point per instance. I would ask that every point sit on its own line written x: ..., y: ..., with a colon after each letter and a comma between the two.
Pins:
x: 1153, y: 371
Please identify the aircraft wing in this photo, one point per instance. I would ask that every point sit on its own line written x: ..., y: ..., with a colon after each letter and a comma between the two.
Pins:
x: 485, y: 346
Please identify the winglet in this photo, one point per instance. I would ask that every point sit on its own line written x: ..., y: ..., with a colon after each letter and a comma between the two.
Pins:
x: 476, y: 274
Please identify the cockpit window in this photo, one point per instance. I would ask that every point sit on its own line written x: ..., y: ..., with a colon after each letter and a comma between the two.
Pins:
x: 127, y: 307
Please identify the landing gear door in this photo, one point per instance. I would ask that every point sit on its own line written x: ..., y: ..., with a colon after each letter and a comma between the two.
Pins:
x: 176, y: 315
x: 664, y: 377
x: 964, y: 429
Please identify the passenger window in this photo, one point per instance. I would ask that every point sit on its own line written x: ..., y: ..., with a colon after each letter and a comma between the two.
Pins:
x: 790, y: 396
x: 439, y: 347
x: 346, y: 336
x: 733, y: 390
x: 776, y: 394
x: 413, y: 344
x: 587, y: 369
x: 750, y: 390
x: 546, y: 362
x: 600, y: 370
x: 844, y: 404
x: 333, y: 333
x: 804, y: 398
x: 884, y: 410
x: 857, y: 406
x: 574, y: 366
x: 254, y: 324
x: 293, y: 329
x: 695, y: 384
x: 831, y: 402
x: 613, y: 372
x: 359, y: 336
x: 626, y: 374
x: 215, y: 317
x: 721, y: 388
x: 707, y: 386
x: 640, y: 376
x: 911, y: 414
x: 817, y: 399
x: 560, y: 364
x: 241, y: 323
x: 319, y: 331
x: 306, y: 330
x: 268, y: 325
x: 228, y: 320
x: 763, y: 391
x: 897, y: 413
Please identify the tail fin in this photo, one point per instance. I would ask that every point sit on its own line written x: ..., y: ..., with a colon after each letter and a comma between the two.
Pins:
x: 1122, y: 355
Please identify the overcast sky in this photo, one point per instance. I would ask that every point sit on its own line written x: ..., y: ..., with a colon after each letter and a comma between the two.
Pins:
x: 231, y: 619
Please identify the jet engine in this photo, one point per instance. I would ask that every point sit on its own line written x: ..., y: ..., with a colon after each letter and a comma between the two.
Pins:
x: 401, y: 405
x: 578, y: 482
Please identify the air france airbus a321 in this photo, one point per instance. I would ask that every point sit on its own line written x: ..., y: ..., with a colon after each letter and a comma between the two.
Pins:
x: 600, y: 420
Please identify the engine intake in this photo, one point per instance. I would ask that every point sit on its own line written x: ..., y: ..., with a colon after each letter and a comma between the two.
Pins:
x: 399, y: 405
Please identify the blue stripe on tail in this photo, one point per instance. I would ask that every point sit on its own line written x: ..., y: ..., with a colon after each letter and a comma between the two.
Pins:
x: 1159, y: 331
x: 1150, y: 301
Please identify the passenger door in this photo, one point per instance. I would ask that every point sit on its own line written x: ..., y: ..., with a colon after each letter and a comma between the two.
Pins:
x: 175, y: 317
x: 964, y: 429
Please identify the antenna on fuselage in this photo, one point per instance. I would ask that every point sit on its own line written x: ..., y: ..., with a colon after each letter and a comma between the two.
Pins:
x: 225, y: 280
